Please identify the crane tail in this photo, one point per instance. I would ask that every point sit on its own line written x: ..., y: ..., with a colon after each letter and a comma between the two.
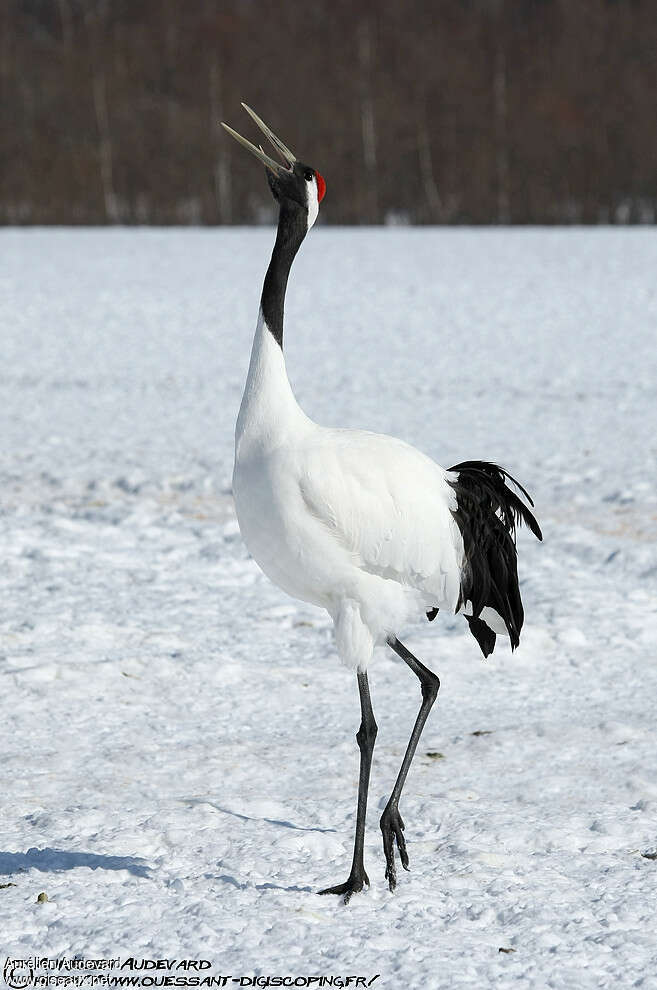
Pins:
x: 487, y: 514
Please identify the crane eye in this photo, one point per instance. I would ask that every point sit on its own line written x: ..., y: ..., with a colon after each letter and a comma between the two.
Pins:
x: 309, y: 174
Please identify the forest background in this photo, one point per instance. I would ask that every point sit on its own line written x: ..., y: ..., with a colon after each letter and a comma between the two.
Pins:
x: 457, y: 111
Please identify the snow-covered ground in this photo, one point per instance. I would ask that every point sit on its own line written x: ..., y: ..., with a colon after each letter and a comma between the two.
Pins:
x: 178, y: 764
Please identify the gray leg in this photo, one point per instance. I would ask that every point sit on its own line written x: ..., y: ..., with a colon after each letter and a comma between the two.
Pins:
x: 392, y: 825
x: 365, y: 738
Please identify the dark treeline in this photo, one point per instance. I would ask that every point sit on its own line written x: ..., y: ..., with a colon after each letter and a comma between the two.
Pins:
x: 456, y: 111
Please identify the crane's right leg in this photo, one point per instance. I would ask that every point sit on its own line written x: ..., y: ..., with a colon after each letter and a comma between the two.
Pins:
x: 392, y: 825
x: 365, y: 738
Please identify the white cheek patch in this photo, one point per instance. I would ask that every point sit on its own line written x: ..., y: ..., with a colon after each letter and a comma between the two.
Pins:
x: 312, y: 200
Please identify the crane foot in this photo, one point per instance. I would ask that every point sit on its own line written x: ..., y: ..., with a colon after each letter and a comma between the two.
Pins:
x: 353, y: 885
x: 392, y: 829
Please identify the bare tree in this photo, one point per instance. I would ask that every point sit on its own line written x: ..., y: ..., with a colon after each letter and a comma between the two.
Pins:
x: 368, y: 129
x: 501, y: 135
x: 222, y: 173
x: 95, y: 20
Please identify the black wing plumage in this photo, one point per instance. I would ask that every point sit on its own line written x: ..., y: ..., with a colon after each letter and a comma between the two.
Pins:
x: 487, y: 514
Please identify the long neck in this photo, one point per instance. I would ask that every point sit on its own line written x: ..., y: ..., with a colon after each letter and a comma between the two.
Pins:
x: 292, y: 228
x: 268, y: 406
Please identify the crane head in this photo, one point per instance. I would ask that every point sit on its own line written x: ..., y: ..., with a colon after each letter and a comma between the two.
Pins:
x: 292, y: 180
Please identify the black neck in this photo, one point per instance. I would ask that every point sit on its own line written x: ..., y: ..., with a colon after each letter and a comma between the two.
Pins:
x: 292, y: 228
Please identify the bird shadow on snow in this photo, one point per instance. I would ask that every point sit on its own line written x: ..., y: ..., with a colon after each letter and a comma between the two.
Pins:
x: 56, y: 860
x: 227, y: 878
x: 253, y: 818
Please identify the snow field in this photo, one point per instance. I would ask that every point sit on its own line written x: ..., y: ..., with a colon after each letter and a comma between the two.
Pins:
x: 179, y: 767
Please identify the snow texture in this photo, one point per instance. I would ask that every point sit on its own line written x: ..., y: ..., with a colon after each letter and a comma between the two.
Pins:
x: 179, y: 767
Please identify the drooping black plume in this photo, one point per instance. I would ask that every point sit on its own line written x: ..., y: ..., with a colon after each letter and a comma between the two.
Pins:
x: 487, y: 514
x: 491, y: 478
x: 483, y: 634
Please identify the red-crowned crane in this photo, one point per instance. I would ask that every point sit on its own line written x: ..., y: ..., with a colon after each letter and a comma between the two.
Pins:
x: 361, y: 524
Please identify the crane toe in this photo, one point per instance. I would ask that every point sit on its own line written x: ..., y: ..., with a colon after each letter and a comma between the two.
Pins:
x: 353, y: 885
x: 392, y: 829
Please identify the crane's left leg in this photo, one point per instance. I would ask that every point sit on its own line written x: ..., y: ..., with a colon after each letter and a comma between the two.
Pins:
x: 392, y: 825
x: 365, y: 738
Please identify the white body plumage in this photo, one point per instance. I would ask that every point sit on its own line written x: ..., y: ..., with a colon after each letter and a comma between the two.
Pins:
x: 355, y: 522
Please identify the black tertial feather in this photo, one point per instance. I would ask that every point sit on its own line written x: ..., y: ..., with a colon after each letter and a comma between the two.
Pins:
x: 487, y: 514
x: 492, y: 479
x: 483, y: 634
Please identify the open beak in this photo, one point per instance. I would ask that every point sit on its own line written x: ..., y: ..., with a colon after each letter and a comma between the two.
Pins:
x: 288, y: 158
